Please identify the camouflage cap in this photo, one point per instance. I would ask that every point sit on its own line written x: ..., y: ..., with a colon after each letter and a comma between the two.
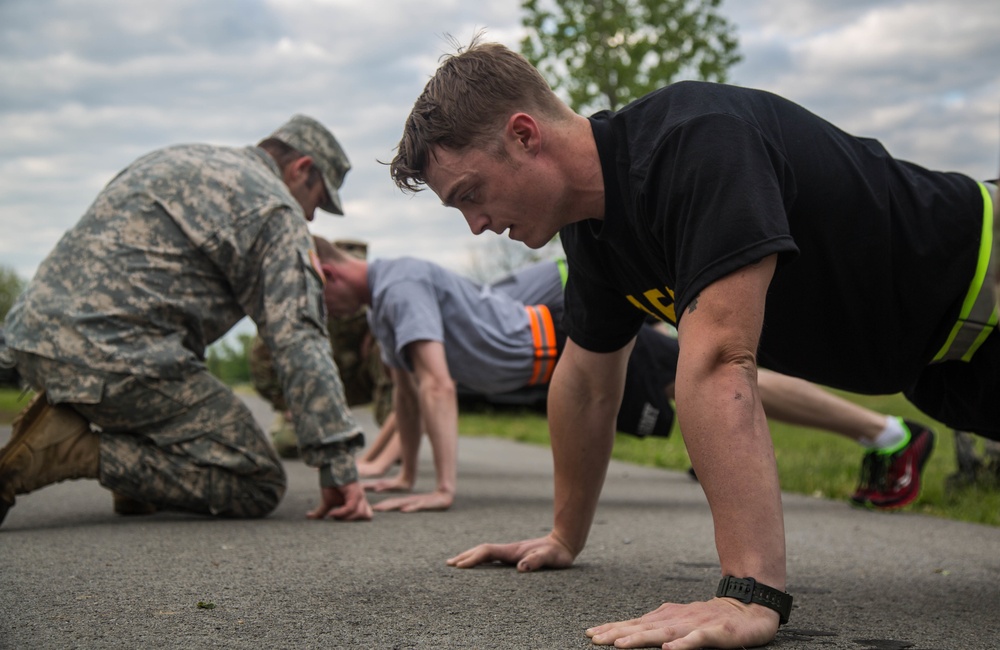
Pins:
x: 314, y: 140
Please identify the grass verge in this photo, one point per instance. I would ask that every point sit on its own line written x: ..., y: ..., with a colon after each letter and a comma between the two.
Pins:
x: 810, y: 462
x: 11, y: 401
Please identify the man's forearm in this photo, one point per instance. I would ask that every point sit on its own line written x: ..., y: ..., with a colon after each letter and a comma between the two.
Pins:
x: 408, y: 419
x: 726, y: 434
x: 439, y: 404
x: 315, y: 396
x: 582, y: 433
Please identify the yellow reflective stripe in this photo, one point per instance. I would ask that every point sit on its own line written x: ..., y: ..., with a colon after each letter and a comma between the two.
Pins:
x: 982, y: 337
x: 978, y: 316
x: 563, y: 271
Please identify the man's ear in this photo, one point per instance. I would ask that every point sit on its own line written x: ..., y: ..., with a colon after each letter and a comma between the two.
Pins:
x: 329, y: 271
x: 298, y: 168
x: 524, y: 131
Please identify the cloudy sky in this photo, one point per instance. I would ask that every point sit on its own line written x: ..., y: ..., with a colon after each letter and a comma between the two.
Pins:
x: 86, y: 86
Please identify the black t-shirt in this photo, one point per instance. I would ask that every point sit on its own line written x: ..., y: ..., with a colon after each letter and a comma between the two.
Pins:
x: 875, y: 254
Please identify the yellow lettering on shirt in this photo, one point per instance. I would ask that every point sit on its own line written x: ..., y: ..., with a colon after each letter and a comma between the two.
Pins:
x: 657, y: 304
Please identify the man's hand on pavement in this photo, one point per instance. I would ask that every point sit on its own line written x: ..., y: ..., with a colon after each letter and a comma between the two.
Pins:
x: 717, y: 623
x: 417, y: 502
x: 528, y: 555
x: 346, y: 503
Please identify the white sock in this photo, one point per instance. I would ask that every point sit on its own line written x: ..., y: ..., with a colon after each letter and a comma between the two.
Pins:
x: 890, y: 436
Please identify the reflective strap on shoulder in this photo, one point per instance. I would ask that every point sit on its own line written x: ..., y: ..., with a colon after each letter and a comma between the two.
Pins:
x: 543, y: 332
x: 978, y: 317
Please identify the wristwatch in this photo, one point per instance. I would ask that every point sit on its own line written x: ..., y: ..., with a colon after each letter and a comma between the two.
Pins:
x: 748, y: 590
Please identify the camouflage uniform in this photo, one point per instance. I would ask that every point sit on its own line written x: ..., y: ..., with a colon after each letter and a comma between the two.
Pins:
x: 358, y: 359
x: 355, y: 351
x: 173, y: 252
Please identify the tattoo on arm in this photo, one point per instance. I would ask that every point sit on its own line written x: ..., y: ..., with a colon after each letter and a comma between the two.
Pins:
x: 693, y: 304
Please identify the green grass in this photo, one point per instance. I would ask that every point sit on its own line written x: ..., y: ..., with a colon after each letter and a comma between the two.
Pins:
x: 810, y: 462
x: 10, y: 403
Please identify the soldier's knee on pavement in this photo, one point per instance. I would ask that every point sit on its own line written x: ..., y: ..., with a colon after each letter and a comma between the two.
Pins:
x: 259, y: 500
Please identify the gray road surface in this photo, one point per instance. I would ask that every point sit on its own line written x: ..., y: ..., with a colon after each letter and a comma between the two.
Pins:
x: 73, y: 575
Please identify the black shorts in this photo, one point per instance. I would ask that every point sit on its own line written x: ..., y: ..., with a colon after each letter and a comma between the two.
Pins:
x: 646, y: 410
x: 963, y: 395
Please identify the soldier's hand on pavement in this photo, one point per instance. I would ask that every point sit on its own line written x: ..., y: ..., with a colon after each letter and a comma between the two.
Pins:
x: 346, y: 503
x: 417, y: 502
x: 394, y: 484
x: 717, y: 623
x: 528, y: 555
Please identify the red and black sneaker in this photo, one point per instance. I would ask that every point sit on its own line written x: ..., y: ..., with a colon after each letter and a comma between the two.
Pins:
x: 890, y: 478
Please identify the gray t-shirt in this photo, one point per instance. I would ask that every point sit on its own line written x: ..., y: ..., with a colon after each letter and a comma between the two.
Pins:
x: 537, y: 284
x: 486, y: 334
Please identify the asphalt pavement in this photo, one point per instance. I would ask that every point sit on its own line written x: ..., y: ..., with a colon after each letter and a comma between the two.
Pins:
x: 74, y: 575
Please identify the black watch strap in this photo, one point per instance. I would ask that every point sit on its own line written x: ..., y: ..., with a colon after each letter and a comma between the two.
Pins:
x: 748, y: 590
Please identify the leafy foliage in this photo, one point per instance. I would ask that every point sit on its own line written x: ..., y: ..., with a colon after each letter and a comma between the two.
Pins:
x: 230, y: 363
x: 606, y: 53
x: 11, y: 286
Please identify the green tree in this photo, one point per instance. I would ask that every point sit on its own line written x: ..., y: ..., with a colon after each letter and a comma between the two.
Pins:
x: 11, y: 286
x: 606, y: 53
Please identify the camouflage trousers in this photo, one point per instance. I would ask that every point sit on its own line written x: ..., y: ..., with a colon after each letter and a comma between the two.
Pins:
x: 189, y: 444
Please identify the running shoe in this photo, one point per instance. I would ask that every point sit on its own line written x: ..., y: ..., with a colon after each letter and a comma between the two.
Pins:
x: 890, y: 478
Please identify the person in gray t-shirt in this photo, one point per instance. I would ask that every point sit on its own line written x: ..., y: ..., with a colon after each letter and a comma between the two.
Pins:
x: 437, y: 329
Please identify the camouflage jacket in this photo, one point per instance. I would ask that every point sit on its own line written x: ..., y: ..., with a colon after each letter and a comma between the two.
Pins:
x: 173, y: 252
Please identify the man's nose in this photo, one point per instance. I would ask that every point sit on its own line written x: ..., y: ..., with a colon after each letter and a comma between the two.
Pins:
x: 478, y: 224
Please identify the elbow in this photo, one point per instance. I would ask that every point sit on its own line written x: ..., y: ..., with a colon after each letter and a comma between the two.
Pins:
x: 724, y: 363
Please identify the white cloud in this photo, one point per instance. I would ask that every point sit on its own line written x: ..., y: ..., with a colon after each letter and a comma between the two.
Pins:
x: 87, y: 86
x: 904, y: 71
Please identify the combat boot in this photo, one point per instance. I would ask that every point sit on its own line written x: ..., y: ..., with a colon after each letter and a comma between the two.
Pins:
x: 48, y: 444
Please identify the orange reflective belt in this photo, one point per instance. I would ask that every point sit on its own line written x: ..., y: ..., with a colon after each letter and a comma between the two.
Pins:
x: 543, y: 333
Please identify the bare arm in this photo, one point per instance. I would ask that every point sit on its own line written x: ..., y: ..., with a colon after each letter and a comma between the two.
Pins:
x: 386, y: 433
x: 406, y: 413
x: 384, y: 452
x: 584, y: 397
x: 724, y: 423
x: 428, y: 396
x: 582, y: 407
x: 725, y: 430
